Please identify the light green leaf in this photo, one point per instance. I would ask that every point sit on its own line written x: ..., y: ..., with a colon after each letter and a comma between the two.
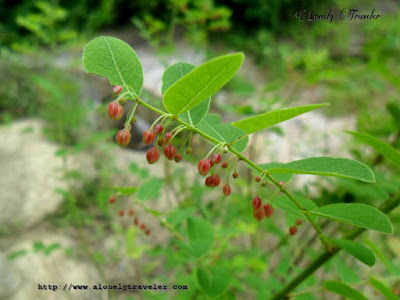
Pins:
x: 150, y: 189
x: 179, y: 215
x: 344, y: 290
x: 278, y: 177
x: 386, y: 150
x: 213, y: 281
x: 268, y: 119
x: 170, y: 76
x: 358, y: 250
x: 357, y: 214
x: 327, y: 166
x: 288, y: 205
x: 383, y: 288
x: 223, y: 132
x: 201, y: 83
x: 201, y: 236
x: 126, y: 190
x: 114, y: 59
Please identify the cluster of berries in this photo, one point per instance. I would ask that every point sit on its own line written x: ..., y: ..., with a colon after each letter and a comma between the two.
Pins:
x: 259, y: 211
x: 214, y: 180
x: 293, y: 228
x: 131, y: 212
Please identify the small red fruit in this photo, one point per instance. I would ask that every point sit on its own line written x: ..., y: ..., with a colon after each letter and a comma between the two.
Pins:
x: 299, y: 222
x: 211, y: 163
x: 216, y: 180
x: 147, y: 232
x: 226, y: 189
x: 269, y: 210
x: 167, y: 137
x: 148, y: 137
x: 170, y: 152
x: 258, y: 179
x: 235, y: 174
x: 203, y: 167
x: 178, y: 158
x: 121, y: 212
x: 136, y: 221
x: 188, y: 151
x: 209, y: 181
x: 117, y: 89
x: 160, y: 141
x: 115, y: 110
x: 123, y: 137
x: 258, y: 214
x: 292, y: 230
x: 224, y: 165
x: 131, y: 212
x: 153, y: 155
x: 256, y: 203
x: 217, y: 158
x: 158, y: 129
x: 112, y: 200
x: 142, y: 226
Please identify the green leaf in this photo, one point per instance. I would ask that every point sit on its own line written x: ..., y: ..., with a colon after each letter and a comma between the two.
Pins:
x: 223, y: 132
x: 381, y: 147
x: 126, y: 190
x: 356, y: 214
x: 288, y: 205
x: 201, y: 236
x: 213, y: 281
x: 358, y: 250
x: 170, y: 76
x: 383, y: 288
x: 268, y: 119
x: 327, y: 166
x: 344, y: 290
x: 150, y: 189
x: 179, y: 215
x: 278, y: 177
x: 114, y: 59
x: 201, y: 83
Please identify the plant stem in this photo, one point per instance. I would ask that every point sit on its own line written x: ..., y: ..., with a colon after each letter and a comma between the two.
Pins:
x: 386, y: 207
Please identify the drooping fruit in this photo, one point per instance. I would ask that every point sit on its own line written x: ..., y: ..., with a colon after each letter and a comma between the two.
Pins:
x: 224, y: 165
x: 226, y: 189
x: 256, y: 203
x: 299, y: 222
x: 188, y: 151
x: 136, y: 221
x: 153, y: 155
x: 121, y: 212
x: 115, y: 110
x: 170, y: 152
x: 203, y: 167
x: 268, y: 209
x: 209, y: 181
x: 178, y: 158
x: 123, y: 137
x: 131, y: 212
x: 167, y: 137
x: 258, y: 214
x: 117, y: 89
x: 292, y: 230
x: 235, y: 175
x: 216, y: 180
x: 147, y: 232
x: 142, y: 226
x: 158, y: 129
x: 217, y: 158
x: 148, y: 137
x: 160, y: 141
x: 258, y: 179
x: 112, y: 199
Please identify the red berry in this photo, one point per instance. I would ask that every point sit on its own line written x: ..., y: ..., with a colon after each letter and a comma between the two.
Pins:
x: 256, y: 203
x: 216, y: 180
x: 123, y: 137
x: 224, y: 165
x: 269, y: 210
x: 226, y: 189
x: 211, y: 163
x: 299, y: 222
x: 142, y: 226
x: 147, y: 232
x: 217, y: 158
x: 258, y: 214
x: 203, y: 167
x: 258, y: 178
x: 209, y: 181
x: 178, y: 158
x: 292, y: 230
x: 167, y: 137
x: 148, y: 137
x: 115, y: 110
x: 131, y: 212
x: 136, y: 221
x: 153, y: 155
x: 112, y: 200
x: 235, y: 175
x: 121, y: 212
x: 117, y: 89
x: 158, y: 129
x: 170, y: 152
x: 160, y: 141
